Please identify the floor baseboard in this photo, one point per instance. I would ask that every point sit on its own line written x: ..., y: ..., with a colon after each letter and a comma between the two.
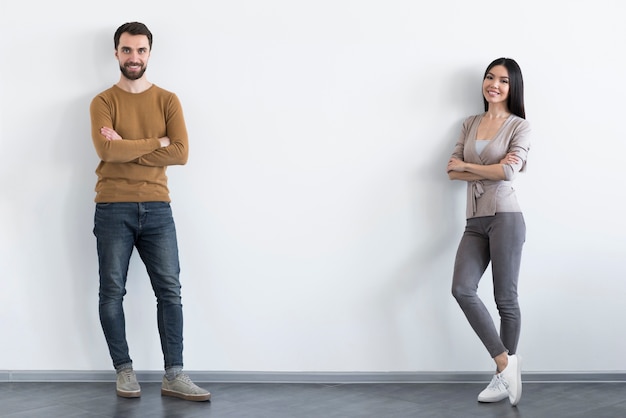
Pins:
x: 306, y: 377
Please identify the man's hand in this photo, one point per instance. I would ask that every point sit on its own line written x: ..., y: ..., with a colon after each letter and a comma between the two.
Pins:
x: 109, y: 134
x: 165, y: 141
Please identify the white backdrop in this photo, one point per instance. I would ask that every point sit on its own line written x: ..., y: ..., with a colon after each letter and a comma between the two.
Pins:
x: 317, y: 226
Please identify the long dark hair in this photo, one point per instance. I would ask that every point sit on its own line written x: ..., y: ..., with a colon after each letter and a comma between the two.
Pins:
x: 515, y: 100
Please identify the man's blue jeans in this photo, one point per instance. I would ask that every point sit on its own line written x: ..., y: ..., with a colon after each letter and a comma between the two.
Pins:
x: 149, y: 227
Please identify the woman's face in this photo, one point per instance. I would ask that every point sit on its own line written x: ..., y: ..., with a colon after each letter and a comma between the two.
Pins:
x: 496, y: 85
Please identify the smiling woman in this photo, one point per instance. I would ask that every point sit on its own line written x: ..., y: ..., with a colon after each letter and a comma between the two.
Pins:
x: 495, y: 231
x: 318, y: 227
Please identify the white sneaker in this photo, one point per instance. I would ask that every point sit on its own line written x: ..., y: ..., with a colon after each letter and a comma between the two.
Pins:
x: 512, y: 378
x: 495, y: 391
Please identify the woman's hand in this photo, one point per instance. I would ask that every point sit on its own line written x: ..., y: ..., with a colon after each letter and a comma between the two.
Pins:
x: 454, y: 164
x: 510, y: 158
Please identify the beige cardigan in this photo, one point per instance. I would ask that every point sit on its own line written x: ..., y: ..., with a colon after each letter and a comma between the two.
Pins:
x: 486, y: 197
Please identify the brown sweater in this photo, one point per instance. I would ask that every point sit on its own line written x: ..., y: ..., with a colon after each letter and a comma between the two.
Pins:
x: 133, y: 169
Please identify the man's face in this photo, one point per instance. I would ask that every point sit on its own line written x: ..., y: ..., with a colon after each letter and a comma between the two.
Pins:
x: 133, y: 52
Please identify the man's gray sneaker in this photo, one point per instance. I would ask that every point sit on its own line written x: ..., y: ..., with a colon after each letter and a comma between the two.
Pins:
x: 127, y: 385
x: 182, y: 387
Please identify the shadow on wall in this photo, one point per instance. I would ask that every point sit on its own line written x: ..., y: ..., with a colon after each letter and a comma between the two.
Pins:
x: 78, y: 156
x: 419, y: 291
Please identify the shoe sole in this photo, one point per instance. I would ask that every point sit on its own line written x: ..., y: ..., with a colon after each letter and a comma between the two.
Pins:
x: 197, y: 398
x: 518, y: 375
x: 124, y: 394
x: 493, y: 400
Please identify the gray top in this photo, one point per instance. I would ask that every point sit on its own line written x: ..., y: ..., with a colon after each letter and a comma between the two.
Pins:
x: 486, y: 197
x: 481, y: 144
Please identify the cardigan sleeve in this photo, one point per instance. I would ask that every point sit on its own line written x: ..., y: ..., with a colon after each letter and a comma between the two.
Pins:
x: 519, y: 145
x: 459, y: 148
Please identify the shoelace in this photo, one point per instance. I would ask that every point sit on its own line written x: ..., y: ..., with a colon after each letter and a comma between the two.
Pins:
x: 193, y: 388
x: 502, y: 381
x: 185, y: 378
x: 497, y: 384
x: 126, y: 375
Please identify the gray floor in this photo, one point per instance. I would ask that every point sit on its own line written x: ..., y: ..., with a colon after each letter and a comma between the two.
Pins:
x: 282, y: 400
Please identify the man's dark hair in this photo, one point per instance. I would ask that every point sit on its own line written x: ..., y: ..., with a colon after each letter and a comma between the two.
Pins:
x: 134, y: 28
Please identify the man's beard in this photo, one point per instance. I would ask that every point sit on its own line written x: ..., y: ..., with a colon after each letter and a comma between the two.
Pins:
x: 134, y: 75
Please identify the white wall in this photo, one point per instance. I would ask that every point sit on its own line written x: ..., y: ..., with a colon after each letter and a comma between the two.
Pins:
x: 316, y: 223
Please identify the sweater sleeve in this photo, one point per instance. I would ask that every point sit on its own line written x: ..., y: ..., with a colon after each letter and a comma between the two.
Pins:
x: 519, y: 145
x: 178, y: 151
x: 115, y: 151
x: 459, y: 148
